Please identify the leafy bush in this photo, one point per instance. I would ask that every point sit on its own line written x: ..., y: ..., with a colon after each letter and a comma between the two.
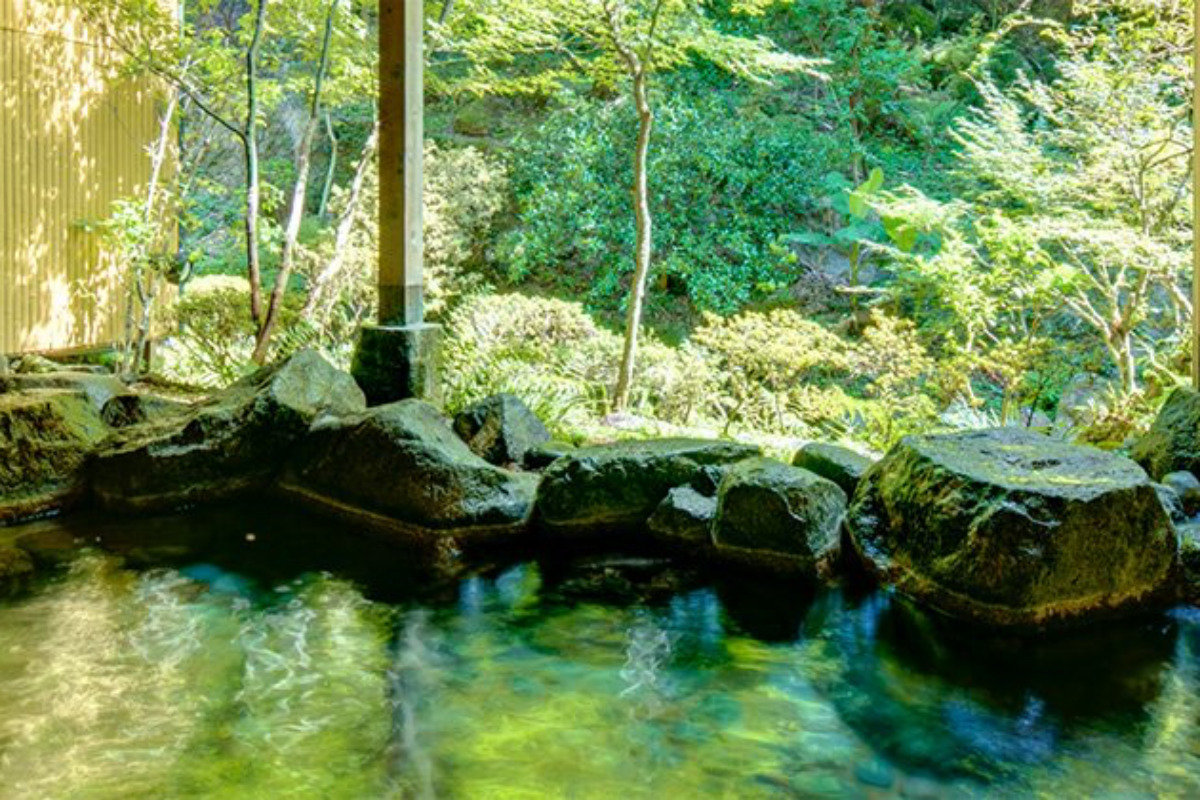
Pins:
x: 215, y: 335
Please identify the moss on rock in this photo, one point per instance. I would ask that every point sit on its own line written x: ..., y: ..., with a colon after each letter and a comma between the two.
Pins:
x: 614, y: 488
x: 775, y: 515
x: 236, y: 441
x: 46, y: 437
x: 1173, y: 441
x: 1008, y: 527
x: 403, y: 462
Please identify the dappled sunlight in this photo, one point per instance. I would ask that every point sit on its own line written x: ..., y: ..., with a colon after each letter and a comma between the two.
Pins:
x: 74, y: 133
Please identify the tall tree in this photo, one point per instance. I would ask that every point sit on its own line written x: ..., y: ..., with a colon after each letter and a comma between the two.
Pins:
x: 291, y: 232
x: 514, y: 47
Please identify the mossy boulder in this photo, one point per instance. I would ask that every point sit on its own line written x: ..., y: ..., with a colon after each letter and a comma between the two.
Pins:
x: 614, y: 488
x: 1173, y: 441
x: 16, y: 568
x: 403, y: 463
x: 500, y: 429
x: 1009, y: 528
x: 136, y: 408
x: 776, y: 515
x: 98, y: 389
x: 46, y: 438
x: 843, y: 466
x: 233, y: 443
x: 684, y: 518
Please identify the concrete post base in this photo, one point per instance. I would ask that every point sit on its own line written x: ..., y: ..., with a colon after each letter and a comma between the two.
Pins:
x: 398, y: 362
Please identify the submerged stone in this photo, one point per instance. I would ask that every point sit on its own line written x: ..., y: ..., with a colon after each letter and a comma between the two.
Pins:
x: 684, y: 517
x: 403, y: 463
x: 233, y: 443
x: 46, y: 437
x: 500, y: 429
x: 1010, y: 528
x: 614, y: 488
x: 772, y: 514
x: 843, y: 466
x: 16, y: 568
x: 1173, y: 441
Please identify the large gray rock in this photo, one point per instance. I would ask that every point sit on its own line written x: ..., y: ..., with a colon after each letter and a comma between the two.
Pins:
x: 832, y: 462
x: 233, y: 443
x: 46, y: 437
x: 775, y: 515
x: 500, y: 429
x: 1173, y: 441
x: 402, y: 462
x: 684, y: 518
x: 1010, y: 528
x: 614, y: 488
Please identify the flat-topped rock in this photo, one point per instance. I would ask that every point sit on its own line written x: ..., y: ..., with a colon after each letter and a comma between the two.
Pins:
x: 843, y: 466
x: 1010, y: 528
x: 235, y: 442
x: 778, y: 516
x: 46, y: 437
x: 403, y: 463
x: 614, y: 488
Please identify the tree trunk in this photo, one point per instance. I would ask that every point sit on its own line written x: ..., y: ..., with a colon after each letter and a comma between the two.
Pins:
x: 145, y: 278
x: 250, y: 144
x: 331, y: 170
x: 319, y: 291
x: 299, y: 192
x: 641, y: 208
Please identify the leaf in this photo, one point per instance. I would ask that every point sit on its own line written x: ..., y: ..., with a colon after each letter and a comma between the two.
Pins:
x: 858, y: 201
x: 809, y: 238
x: 902, y: 233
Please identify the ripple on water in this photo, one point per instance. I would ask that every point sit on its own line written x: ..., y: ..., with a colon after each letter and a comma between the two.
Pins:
x: 200, y: 681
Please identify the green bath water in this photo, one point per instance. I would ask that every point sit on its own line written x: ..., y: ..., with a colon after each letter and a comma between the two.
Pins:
x: 304, y: 664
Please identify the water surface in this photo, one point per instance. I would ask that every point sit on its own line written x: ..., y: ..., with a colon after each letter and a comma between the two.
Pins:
x: 307, y: 663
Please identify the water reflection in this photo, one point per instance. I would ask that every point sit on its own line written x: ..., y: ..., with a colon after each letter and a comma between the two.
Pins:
x: 261, y: 672
x: 957, y: 701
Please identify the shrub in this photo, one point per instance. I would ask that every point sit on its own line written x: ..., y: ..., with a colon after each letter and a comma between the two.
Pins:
x: 214, y: 333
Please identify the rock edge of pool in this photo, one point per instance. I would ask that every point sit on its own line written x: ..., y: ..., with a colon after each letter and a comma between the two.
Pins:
x: 1005, y: 528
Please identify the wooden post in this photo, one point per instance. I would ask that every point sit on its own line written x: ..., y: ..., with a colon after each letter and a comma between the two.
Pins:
x: 401, y: 162
x: 399, y: 357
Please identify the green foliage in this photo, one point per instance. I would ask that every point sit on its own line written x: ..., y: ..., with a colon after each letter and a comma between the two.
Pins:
x: 714, y: 230
x: 215, y: 333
